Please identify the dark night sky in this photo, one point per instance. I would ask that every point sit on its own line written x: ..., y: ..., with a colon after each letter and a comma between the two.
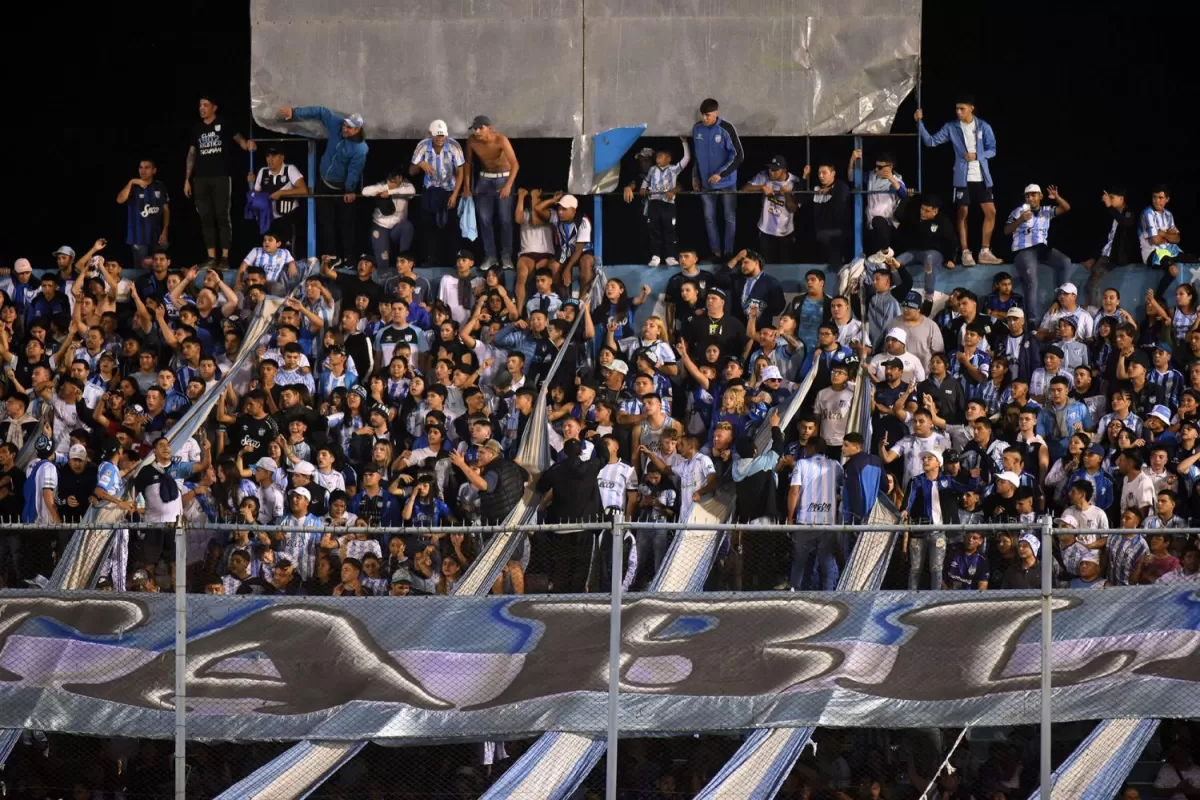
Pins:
x: 1081, y: 101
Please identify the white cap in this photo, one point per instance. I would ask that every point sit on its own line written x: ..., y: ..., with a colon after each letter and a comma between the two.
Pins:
x: 1033, y: 187
x: 1032, y: 541
x: 1011, y: 477
x: 65, y: 250
x: 77, y: 451
x: 1015, y: 312
x: 771, y: 373
x: 568, y: 201
x: 619, y: 366
x: 1068, y: 288
x: 1163, y: 413
x: 933, y: 453
x: 22, y: 265
x: 438, y: 128
x: 300, y: 490
x: 267, y: 463
x: 1067, y: 522
x: 1089, y: 555
x: 898, y: 334
x: 303, y: 468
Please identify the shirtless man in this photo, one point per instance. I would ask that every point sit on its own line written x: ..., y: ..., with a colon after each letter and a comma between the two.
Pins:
x: 498, y: 169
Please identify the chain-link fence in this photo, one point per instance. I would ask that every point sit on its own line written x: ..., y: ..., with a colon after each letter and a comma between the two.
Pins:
x: 304, y: 679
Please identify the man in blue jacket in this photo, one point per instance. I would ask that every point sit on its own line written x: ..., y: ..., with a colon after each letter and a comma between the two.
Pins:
x: 341, y: 173
x: 718, y: 154
x: 974, y: 144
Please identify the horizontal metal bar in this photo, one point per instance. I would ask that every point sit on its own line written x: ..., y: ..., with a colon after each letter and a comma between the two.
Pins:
x: 898, y: 526
x: 328, y: 196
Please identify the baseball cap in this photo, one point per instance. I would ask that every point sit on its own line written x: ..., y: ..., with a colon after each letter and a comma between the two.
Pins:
x: 1164, y: 346
x: 22, y: 266
x: 369, y: 468
x: 353, y: 120
x: 777, y: 162
x: 934, y: 453
x: 77, y: 451
x: 898, y: 334
x: 139, y: 579
x: 716, y: 291
x: 1138, y: 357
x: 300, y: 490
x: 1159, y: 411
x: 1011, y: 477
x: 912, y: 300
x: 568, y: 201
x: 1032, y: 541
x: 1097, y: 449
x: 1015, y: 312
x: 303, y: 468
x: 1066, y: 522
x: 480, y: 121
x: 493, y: 445
x: 646, y: 152
x: 894, y: 363
x: 950, y: 457
x: 1053, y: 350
x: 1068, y: 288
x: 64, y: 251
x: 267, y: 463
x: 771, y: 373
x: 104, y: 582
x: 360, y: 390
x: 465, y: 253
x: 402, y: 576
x: 619, y: 366
x: 438, y: 128
x: 1033, y: 187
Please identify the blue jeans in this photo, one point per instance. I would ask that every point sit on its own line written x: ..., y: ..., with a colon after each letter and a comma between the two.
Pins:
x: 651, y: 552
x: 803, y: 544
x: 935, y: 545
x: 390, y: 242
x: 1026, y: 261
x: 930, y: 260
x: 729, y: 211
x: 488, y: 205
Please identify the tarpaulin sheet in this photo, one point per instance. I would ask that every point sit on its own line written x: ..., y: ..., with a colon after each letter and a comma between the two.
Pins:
x: 417, y: 668
x: 572, y: 68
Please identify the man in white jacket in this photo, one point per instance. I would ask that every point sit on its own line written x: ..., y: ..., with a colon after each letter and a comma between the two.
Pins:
x: 391, y: 229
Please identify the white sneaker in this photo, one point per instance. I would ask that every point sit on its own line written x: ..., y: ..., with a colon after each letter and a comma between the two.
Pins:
x: 881, y: 257
x: 986, y: 257
x: 967, y: 259
x: 506, y: 262
x: 672, y: 261
x: 654, y: 261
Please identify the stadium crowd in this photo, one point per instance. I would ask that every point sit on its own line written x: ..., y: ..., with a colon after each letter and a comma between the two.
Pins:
x: 380, y: 397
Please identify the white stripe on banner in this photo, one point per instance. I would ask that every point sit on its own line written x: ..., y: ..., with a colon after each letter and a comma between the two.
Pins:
x: 1116, y: 744
x: 8, y: 740
x: 295, y: 774
x: 552, y: 768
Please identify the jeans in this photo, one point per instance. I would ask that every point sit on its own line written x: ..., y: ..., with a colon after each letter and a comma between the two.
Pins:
x: 1026, y: 261
x: 803, y: 545
x: 211, y: 196
x: 935, y: 544
x: 729, y: 211
x: 931, y: 260
x: 832, y: 242
x: 652, y: 551
x: 390, y: 242
x: 488, y: 205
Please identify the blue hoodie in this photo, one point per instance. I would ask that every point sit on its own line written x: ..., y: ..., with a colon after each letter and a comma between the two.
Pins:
x: 718, y: 151
x: 343, y: 161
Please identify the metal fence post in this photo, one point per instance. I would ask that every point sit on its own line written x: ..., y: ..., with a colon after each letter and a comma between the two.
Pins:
x: 1047, y: 641
x: 858, y: 201
x: 614, y: 652
x: 598, y: 233
x: 312, y: 204
x: 180, y: 658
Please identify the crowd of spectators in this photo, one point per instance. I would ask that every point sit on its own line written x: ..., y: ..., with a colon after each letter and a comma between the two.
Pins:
x: 384, y: 397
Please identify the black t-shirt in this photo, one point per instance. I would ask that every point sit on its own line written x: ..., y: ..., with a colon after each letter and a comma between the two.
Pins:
x: 214, y: 148
x: 14, y: 481
x: 352, y: 286
x: 255, y: 433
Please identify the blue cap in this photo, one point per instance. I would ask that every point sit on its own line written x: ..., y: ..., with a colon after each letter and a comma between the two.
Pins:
x: 912, y: 300
x: 353, y: 120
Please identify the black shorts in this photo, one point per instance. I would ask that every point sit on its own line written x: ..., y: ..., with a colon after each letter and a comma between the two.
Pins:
x: 152, y: 547
x: 975, y: 193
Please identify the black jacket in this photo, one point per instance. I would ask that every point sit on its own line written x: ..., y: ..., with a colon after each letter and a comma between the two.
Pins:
x: 756, y: 493
x: 934, y: 234
x: 576, y: 490
x: 495, y: 505
x: 728, y: 333
x: 1125, y: 247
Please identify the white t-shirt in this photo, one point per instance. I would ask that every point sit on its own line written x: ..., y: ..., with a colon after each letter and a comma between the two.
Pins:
x: 912, y: 374
x: 400, y: 212
x: 1083, y: 329
x: 1093, y: 518
x: 47, y: 478
x: 1138, y: 492
x: 692, y: 472
x: 911, y: 448
x: 615, y: 481
x: 974, y: 170
x: 536, y: 238
x: 775, y: 219
x: 832, y: 408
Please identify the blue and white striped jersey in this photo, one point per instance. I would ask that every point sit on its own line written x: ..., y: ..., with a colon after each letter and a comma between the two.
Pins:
x: 819, y: 479
x: 1033, y: 231
x: 272, y: 263
x: 1153, y: 223
x: 444, y: 163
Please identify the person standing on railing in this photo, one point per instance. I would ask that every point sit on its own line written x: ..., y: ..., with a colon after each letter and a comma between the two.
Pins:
x: 282, y: 182
x: 886, y: 189
x: 974, y: 145
x: 718, y: 155
x: 498, y: 167
x: 207, y: 179
x: 341, y: 173
x: 149, y: 212
x: 831, y: 215
x: 660, y: 187
x: 776, y: 222
x: 391, y: 229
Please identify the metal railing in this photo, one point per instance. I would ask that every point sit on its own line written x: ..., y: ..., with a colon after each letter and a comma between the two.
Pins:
x: 623, y: 690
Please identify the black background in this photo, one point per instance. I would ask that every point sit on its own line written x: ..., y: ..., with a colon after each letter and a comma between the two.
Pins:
x: 1082, y: 101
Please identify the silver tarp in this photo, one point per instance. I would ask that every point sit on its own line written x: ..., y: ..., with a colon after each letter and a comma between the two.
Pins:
x: 572, y: 68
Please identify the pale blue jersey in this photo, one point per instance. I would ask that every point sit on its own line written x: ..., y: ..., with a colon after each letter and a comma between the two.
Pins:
x: 819, y: 479
x: 1033, y: 231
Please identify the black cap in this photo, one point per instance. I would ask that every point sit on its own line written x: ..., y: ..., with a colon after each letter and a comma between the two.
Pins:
x: 481, y: 120
x: 715, y: 291
x: 777, y: 162
x: 1053, y: 350
x: 1138, y: 357
x: 366, y: 257
x: 894, y: 362
x: 465, y: 253
x: 273, y: 151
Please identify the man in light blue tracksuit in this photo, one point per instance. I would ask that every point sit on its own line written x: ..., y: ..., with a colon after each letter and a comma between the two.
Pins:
x: 718, y: 154
x: 341, y: 173
x: 974, y: 144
